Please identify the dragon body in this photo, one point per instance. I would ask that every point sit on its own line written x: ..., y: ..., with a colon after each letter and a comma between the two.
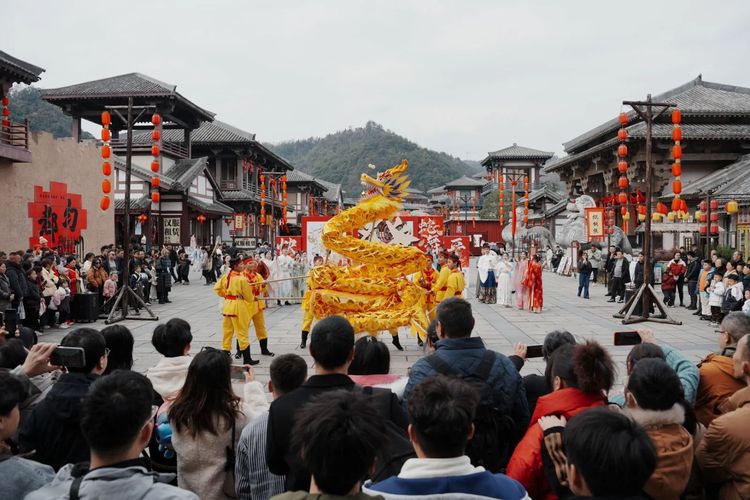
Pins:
x: 373, y: 293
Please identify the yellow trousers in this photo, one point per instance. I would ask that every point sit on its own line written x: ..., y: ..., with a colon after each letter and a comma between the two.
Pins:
x: 307, y: 319
x: 259, y: 321
x: 234, y: 326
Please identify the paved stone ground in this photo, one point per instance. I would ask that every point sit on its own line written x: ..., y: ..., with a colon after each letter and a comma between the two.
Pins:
x: 500, y: 327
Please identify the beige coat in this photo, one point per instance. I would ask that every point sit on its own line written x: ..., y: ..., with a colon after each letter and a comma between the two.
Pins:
x: 724, y: 452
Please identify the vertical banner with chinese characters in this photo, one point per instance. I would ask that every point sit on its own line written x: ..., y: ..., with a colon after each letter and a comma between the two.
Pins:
x: 171, y: 230
x: 58, y: 216
x: 595, y: 224
x: 458, y: 245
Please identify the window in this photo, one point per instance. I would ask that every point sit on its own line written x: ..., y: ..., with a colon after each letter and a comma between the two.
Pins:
x: 228, y: 173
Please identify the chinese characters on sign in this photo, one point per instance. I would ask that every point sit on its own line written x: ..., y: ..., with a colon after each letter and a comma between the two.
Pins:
x: 58, y: 216
x: 595, y: 223
x: 172, y: 230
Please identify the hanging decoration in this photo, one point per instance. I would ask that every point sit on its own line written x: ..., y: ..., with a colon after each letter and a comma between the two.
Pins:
x: 263, y: 199
x: 156, y: 161
x: 106, y: 154
x: 609, y: 221
x: 474, y: 209
x: 501, y: 197
x: 6, y: 112
x: 622, y: 163
x: 526, y: 201
x: 677, y: 205
x: 284, y: 204
x: 201, y: 218
x: 513, y: 215
x: 142, y: 218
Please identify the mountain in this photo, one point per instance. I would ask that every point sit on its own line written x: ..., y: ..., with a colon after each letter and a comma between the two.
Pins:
x: 27, y: 103
x: 342, y: 156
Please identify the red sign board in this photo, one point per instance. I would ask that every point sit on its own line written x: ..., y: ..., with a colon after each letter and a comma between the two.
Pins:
x: 458, y: 245
x: 57, y: 216
x: 291, y: 242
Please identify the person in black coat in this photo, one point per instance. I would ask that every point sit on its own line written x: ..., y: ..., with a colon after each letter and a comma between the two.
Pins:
x: 621, y: 266
x: 17, y: 278
x: 53, y: 428
x: 691, y: 276
x: 32, y: 300
x: 332, y: 348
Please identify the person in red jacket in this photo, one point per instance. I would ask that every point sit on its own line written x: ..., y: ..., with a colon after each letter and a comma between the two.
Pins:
x: 581, y: 375
x: 677, y: 268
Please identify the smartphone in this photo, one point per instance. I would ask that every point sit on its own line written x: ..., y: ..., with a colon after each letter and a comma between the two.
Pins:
x: 10, y: 320
x: 627, y: 338
x: 534, y: 351
x: 237, y: 372
x: 70, y: 357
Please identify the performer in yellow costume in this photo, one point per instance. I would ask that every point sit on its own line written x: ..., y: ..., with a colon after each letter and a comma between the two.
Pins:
x: 441, y: 283
x: 239, y: 307
x: 425, y: 279
x: 259, y: 318
x: 307, y: 306
x: 456, y: 282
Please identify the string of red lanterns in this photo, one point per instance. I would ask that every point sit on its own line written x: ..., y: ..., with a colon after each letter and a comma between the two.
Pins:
x: 156, y: 153
x: 622, y: 163
x: 609, y: 220
x: 526, y: 201
x: 679, y: 206
x: 6, y: 112
x: 106, y: 153
x: 262, y: 200
x: 501, y: 197
x: 474, y: 209
x: 284, y: 204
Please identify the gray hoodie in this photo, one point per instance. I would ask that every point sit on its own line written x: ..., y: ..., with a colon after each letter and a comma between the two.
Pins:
x: 113, y: 483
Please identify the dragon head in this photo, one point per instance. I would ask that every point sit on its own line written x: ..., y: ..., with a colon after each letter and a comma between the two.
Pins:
x: 390, y: 184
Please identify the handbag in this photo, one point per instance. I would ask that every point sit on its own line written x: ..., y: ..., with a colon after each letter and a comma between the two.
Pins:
x: 21, y: 314
x: 228, y: 487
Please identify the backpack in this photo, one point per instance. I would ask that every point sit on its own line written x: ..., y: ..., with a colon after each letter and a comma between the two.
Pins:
x: 493, y: 430
x: 729, y: 303
x: 398, y: 449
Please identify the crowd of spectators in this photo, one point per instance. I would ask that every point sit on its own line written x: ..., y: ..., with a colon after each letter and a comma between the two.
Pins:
x: 464, y: 423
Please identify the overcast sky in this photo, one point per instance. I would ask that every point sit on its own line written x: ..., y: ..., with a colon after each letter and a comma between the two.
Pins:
x: 465, y: 77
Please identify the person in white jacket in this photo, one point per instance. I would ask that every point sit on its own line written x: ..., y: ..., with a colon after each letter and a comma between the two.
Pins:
x: 207, y: 419
x: 172, y: 340
x: 716, y: 290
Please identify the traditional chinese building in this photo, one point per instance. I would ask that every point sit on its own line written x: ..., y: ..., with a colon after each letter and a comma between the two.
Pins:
x: 306, y: 197
x: 39, y: 199
x: 514, y: 162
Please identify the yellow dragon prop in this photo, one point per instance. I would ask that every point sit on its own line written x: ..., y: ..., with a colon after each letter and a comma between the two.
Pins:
x: 374, y: 293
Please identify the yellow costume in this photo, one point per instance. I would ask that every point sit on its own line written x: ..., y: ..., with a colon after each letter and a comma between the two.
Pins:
x: 456, y: 285
x: 259, y: 318
x: 239, y: 307
x: 441, y: 284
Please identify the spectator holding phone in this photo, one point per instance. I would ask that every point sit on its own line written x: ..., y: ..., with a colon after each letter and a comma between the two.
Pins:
x: 54, y: 427
x: 207, y: 419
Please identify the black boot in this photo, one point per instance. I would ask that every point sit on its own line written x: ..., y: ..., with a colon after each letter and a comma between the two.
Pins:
x: 396, y: 342
x: 247, y: 359
x: 264, y: 348
x: 228, y: 353
x: 238, y: 354
x: 303, y: 344
x: 420, y: 342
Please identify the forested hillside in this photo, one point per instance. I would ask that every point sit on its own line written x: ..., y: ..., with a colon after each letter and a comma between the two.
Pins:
x: 27, y: 103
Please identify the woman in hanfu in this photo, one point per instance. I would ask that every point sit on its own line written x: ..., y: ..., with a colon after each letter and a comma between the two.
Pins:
x: 504, y: 271
x: 533, y: 284
x: 519, y: 280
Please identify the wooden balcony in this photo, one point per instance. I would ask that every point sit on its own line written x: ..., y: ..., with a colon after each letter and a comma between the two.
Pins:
x: 14, y: 142
x: 175, y: 149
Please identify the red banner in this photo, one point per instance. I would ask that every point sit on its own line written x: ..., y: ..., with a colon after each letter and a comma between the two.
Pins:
x: 57, y: 216
x: 458, y: 245
x: 291, y: 242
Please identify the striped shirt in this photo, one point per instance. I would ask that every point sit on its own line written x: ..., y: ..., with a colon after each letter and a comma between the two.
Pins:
x: 253, y: 480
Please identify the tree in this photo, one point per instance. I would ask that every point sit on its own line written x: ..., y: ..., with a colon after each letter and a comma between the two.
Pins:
x: 26, y: 103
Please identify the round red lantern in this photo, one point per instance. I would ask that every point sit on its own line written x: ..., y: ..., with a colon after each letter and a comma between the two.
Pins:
x: 156, y: 134
x: 106, y: 134
x: 622, y: 166
x: 622, y: 182
x: 677, y: 187
x: 683, y: 205
x: 702, y: 230
x: 714, y: 229
x: 676, y: 205
x: 622, y: 198
x: 155, y: 150
x: 106, y: 151
x: 623, y: 119
x: 5, y: 100
x: 106, y: 186
x: 104, y: 204
x: 154, y: 166
x: 676, y: 169
x: 676, y: 151
x: 676, y: 116
x: 107, y: 168
x: 622, y: 150
x: 714, y: 205
x: 703, y: 217
x: 702, y: 205
x: 156, y: 119
x: 622, y: 134
x: 714, y: 217
x: 155, y: 197
x: 677, y: 134
x: 155, y: 182
x: 228, y: 221
x: 662, y: 208
x: 106, y: 120
x: 526, y: 211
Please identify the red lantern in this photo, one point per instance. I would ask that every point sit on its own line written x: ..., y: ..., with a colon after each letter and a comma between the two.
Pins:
x: 622, y: 150
x: 622, y: 134
x: 106, y: 151
x: 155, y: 182
x: 156, y: 119
x: 714, y: 217
x: 106, y: 134
x: 677, y: 187
x: 622, y: 182
x: 622, y: 198
x: 526, y: 211
x: 714, y: 205
x: 642, y: 209
x: 154, y: 166
x: 104, y: 204
x: 676, y: 151
x: 228, y: 221
x: 714, y: 229
x: 702, y: 206
x: 107, y: 168
x: 683, y: 205
x: 676, y: 116
x: 155, y: 150
x: 5, y: 100
x: 623, y: 119
x: 106, y: 186
x: 106, y: 120
x: 155, y: 197
x: 702, y: 230
x: 677, y: 134
x: 622, y: 166
x: 623, y: 210
x: 704, y: 217
x: 676, y: 169
x: 201, y: 218
x: 156, y: 134
x: 662, y: 208
x: 676, y: 205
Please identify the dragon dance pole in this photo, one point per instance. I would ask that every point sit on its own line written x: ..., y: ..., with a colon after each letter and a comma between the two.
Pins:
x: 514, y: 217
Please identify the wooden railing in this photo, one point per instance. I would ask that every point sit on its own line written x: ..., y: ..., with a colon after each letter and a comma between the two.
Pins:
x: 176, y: 149
x: 16, y: 134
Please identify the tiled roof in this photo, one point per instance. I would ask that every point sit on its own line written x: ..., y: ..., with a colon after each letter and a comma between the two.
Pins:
x: 516, y: 152
x: 557, y: 208
x: 545, y: 191
x: 298, y: 176
x: 215, y: 207
x: 732, y: 179
x: 690, y: 131
x: 21, y: 71
x: 177, y: 178
x: 215, y: 132
x: 141, y: 203
x: 333, y: 190
x: 437, y: 190
x: 240, y: 195
x: 695, y: 98
x: 414, y: 191
x: 465, y: 181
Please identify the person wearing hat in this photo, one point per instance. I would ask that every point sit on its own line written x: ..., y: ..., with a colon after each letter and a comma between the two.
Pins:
x: 456, y: 281
x: 441, y: 284
x: 239, y: 307
x: 259, y: 305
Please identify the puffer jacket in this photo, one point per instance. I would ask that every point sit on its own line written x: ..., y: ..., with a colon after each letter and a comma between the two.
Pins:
x: 724, y: 452
x: 5, y: 292
x: 465, y: 355
x: 112, y: 483
x: 17, y: 278
x: 674, y: 450
x: 526, y: 465
x: 716, y: 384
x: 49, y: 282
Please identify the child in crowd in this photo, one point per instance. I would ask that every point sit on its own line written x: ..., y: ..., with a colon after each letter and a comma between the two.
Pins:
x: 716, y: 298
x: 110, y: 286
x: 61, y: 303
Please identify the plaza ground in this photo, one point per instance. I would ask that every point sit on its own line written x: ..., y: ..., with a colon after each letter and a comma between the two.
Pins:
x: 498, y: 326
